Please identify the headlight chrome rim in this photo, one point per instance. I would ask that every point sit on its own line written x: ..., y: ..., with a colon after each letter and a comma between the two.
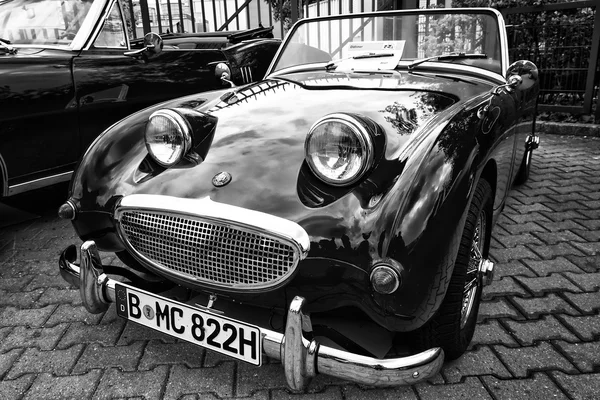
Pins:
x: 182, y: 127
x: 361, y: 134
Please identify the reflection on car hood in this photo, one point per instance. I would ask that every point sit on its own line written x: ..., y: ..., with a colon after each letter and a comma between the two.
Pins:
x: 261, y: 131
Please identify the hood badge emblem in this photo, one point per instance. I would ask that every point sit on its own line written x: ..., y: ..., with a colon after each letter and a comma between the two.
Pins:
x: 221, y: 179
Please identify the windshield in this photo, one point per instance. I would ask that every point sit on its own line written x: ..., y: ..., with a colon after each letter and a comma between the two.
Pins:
x: 45, y: 22
x: 387, y: 39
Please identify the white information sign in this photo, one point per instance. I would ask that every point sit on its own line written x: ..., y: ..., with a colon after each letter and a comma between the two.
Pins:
x: 383, y: 54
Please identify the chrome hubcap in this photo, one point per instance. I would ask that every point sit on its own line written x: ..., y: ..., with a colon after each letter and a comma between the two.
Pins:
x: 472, y: 278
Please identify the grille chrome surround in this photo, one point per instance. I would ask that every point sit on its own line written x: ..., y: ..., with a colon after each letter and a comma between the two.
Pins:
x: 220, y: 246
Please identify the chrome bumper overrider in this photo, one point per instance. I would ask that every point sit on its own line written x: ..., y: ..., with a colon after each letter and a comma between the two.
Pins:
x: 302, y: 359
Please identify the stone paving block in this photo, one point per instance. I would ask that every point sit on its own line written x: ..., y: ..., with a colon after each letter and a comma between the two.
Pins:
x: 98, y: 356
x: 547, y: 267
x: 104, y: 334
x: 553, y: 251
x: 588, y: 235
x: 250, y: 378
x: 14, y: 284
x: 521, y: 361
x: 588, y: 282
x: 592, y: 224
x: 562, y: 207
x: 60, y: 296
x: 218, y: 380
x: 590, y: 249
x: 20, y: 299
x: 358, y: 393
x: 32, y: 317
x: 585, y: 356
x: 568, y: 189
x: 538, y: 387
x: 118, y: 384
x: 527, y: 227
x: 51, y: 387
x: 56, y: 362
x: 536, y: 217
x: 45, y: 282
x: 331, y: 393
x: 482, y: 361
x: 563, y: 220
x: 547, y: 327
x: 512, y: 268
x: 16, y: 388
x: 548, y: 304
x: 7, y: 359
x: 563, y: 225
x: 514, y: 253
x: 492, y: 332
x: 42, y: 338
x: 510, y: 241
x: 503, y: 287
x: 586, y: 263
x: 579, y: 387
x: 69, y: 313
x: 157, y: 353
x: 471, y: 388
x: 527, y: 208
x: 586, y: 302
x: 553, y: 283
x: 556, y: 237
x: 587, y: 327
x: 564, y: 197
x: 497, y: 309
x: 36, y: 263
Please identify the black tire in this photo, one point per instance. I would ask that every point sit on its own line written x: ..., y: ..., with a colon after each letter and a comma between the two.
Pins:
x: 453, y: 325
x: 523, y: 173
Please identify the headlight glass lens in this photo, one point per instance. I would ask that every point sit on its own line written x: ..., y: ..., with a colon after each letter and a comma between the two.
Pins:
x: 338, y: 150
x: 167, y: 137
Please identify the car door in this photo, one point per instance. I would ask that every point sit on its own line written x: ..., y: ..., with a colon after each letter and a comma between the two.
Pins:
x: 38, y: 121
x: 110, y: 85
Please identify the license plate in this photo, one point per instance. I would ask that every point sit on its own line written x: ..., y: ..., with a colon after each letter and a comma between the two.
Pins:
x: 221, y: 334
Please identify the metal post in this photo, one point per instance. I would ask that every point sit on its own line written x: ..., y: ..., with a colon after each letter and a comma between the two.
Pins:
x: 592, y: 71
x: 145, y: 16
x: 294, y: 5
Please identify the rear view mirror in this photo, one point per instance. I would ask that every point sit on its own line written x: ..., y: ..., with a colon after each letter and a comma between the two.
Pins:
x: 153, y: 45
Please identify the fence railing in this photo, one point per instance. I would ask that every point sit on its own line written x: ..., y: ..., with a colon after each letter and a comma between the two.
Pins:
x: 563, y: 41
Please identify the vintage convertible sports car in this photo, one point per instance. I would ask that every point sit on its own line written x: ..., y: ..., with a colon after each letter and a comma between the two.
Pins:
x: 69, y: 69
x: 336, y: 215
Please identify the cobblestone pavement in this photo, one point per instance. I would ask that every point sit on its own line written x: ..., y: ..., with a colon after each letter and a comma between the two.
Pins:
x: 538, y: 335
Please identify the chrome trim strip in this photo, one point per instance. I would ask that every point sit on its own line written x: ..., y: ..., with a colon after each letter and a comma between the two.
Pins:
x: 39, y: 183
x: 3, y: 177
x: 205, y: 209
x: 301, y: 359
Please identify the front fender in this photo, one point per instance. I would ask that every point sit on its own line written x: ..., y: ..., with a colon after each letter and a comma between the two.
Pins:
x: 426, y: 231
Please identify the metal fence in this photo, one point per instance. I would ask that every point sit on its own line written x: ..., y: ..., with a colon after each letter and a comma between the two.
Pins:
x: 563, y: 41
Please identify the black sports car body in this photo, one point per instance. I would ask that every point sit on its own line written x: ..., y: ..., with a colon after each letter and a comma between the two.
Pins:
x: 339, y: 208
x: 70, y: 68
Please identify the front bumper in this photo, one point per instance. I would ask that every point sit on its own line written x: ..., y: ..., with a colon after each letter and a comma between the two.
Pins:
x: 302, y: 359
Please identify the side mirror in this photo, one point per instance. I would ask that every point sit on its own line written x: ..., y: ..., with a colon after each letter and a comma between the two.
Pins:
x: 153, y: 45
x: 520, y: 74
x: 223, y: 73
x: 526, y: 70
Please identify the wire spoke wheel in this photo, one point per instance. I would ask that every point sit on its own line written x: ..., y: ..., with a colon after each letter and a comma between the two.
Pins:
x: 472, y: 276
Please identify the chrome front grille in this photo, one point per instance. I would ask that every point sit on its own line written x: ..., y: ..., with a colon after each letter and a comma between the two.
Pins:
x: 201, y: 250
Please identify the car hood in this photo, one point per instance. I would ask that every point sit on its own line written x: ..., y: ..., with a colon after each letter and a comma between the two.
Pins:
x: 260, y: 133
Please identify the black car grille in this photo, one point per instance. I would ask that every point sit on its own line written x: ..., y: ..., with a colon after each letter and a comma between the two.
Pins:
x: 202, y: 251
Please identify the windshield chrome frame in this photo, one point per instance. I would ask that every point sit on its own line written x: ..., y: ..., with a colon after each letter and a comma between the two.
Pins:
x: 84, y: 33
x: 495, y: 13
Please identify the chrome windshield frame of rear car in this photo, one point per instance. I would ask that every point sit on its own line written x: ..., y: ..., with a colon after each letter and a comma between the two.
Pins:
x: 208, y: 211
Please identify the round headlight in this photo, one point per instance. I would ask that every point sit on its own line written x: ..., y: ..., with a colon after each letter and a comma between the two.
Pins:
x: 338, y: 149
x: 168, y: 137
